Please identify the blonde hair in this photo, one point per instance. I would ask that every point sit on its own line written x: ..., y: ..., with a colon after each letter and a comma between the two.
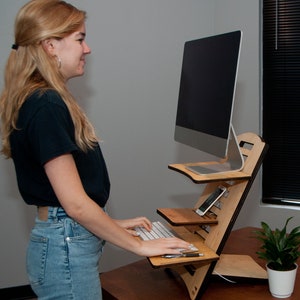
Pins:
x: 29, y: 67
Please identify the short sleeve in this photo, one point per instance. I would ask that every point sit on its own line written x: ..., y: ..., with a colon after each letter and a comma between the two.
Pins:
x: 51, y: 131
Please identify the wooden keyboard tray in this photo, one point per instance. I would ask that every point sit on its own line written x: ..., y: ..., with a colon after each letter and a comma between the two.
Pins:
x: 208, y: 254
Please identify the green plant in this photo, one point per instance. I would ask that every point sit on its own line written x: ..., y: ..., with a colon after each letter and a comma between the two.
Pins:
x: 279, y: 249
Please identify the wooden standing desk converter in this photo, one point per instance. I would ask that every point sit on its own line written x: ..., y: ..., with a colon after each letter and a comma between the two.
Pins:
x: 210, y: 233
x: 139, y: 281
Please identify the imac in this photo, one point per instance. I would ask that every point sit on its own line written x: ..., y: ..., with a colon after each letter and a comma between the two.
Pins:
x: 205, y: 102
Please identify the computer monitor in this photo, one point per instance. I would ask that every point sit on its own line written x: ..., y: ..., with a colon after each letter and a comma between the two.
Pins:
x: 206, y: 97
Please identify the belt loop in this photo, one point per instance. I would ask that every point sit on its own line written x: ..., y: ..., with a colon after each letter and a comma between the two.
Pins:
x: 42, y: 213
x: 53, y: 212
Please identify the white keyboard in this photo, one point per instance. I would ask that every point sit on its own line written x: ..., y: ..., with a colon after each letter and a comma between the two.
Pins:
x: 159, y: 230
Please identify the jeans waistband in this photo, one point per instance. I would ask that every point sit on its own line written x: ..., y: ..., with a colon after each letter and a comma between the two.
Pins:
x: 48, y: 212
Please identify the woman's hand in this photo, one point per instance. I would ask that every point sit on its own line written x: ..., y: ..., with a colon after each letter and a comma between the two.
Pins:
x: 129, y: 224
x: 152, y: 247
x: 162, y: 246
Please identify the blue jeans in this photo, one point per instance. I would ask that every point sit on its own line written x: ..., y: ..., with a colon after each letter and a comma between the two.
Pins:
x: 62, y: 259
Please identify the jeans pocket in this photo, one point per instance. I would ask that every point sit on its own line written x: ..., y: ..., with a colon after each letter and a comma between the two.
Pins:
x: 36, y: 259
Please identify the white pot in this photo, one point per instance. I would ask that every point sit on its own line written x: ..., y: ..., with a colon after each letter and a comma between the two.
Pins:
x: 281, y: 283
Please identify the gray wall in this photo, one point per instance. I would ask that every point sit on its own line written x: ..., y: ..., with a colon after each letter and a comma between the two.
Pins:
x: 130, y: 93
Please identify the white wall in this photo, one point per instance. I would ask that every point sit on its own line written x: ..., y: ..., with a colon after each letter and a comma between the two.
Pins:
x: 130, y: 93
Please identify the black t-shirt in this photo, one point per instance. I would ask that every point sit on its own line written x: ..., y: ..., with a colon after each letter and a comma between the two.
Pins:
x: 45, y: 131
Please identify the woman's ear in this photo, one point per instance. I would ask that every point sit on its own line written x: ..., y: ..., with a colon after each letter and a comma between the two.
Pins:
x: 48, y: 46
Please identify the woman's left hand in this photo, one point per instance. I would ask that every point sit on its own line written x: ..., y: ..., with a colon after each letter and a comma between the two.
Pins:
x: 129, y: 224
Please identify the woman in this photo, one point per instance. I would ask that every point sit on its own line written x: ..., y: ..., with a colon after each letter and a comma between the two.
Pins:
x: 58, y: 162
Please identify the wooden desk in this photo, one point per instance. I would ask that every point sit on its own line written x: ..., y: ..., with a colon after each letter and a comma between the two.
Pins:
x: 139, y: 281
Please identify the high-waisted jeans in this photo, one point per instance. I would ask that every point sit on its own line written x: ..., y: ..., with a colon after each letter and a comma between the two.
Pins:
x: 62, y: 259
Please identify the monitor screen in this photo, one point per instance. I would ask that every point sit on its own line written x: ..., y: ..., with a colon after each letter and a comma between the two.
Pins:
x: 206, y: 94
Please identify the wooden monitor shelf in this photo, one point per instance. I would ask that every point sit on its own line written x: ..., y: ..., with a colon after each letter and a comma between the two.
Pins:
x: 210, y: 233
x: 203, y: 178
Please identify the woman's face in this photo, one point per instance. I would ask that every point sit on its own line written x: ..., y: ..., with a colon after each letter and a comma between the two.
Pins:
x: 70, y: 52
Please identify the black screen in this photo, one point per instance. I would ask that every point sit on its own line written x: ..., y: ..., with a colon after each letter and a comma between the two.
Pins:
x: 207, y: 84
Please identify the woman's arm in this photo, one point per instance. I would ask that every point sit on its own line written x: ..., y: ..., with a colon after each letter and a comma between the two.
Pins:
x: 65, y: 180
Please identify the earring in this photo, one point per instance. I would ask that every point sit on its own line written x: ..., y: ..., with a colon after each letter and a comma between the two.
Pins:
x: 58, y: 62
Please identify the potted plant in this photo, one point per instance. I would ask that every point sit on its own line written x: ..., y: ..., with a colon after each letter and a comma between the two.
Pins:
x: 280, y: 250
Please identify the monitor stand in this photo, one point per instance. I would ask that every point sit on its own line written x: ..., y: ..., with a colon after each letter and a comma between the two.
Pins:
x: 233, y: 162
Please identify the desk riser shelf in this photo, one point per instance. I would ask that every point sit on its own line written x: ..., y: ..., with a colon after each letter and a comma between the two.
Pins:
x: 213, y: 233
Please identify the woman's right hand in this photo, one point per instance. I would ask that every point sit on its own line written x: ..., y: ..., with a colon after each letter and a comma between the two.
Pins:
x: 162, y: 246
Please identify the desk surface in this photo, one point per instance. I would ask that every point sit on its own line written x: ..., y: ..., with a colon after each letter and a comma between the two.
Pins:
x: 139, y: 281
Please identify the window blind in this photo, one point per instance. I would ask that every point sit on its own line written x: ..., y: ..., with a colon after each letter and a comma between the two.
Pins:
x: 281, y: 101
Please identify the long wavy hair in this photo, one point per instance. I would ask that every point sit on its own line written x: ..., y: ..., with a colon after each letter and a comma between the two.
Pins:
x: 29, y: 67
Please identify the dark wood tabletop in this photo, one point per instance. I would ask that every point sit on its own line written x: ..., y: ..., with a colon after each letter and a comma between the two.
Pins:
x: 139, y: 281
